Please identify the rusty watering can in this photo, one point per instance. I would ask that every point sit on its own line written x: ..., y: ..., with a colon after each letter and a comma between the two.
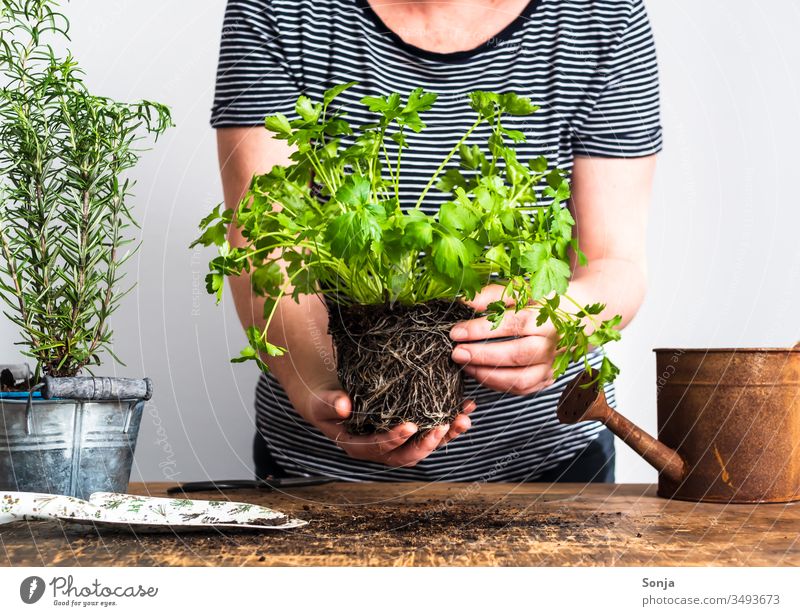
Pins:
x: 728, y: 423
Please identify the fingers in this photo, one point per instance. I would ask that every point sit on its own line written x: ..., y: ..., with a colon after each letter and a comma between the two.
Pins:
x: 521, y: 352
x: 330, y: 404
x: 522, y: 323
x: 413, y: 452
x: 517, y: 381
x: 468, y: 407
x: 460, y: 424
x: 393, y: 448
x: 490, y: 293
x: 331, y: 407
x: 373, y: 447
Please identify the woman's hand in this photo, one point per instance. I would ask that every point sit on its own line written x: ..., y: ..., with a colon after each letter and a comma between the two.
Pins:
x: 610, y: 199
x: 520, y: 366
x: 327, y: 407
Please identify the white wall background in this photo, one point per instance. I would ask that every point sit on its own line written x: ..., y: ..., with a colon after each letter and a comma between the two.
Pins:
x: 724, y: 256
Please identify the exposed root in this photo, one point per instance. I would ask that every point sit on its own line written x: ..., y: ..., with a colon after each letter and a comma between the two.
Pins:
x: 394, y: 362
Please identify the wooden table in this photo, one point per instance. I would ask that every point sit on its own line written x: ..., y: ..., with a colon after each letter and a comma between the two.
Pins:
x: 446, y: 524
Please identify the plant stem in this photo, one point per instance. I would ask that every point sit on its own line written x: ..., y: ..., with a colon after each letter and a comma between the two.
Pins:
x: 12, y: 270
x: 445, y: 161
x: 397, y: 171
x: 589, y: 316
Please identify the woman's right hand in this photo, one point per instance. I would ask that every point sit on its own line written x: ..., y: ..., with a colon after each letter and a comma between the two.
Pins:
x: 327, y: 407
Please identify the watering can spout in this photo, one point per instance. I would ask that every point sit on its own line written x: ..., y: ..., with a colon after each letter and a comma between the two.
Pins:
x: 583, y: 400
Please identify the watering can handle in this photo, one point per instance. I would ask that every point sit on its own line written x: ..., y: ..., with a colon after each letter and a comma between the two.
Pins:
x: 582, y: 400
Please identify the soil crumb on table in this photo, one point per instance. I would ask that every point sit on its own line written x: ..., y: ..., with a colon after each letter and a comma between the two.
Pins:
x: 426, y: 533
x: 440, y: 524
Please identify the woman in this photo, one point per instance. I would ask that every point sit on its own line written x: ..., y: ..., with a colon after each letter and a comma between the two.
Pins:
x: 590, y: 65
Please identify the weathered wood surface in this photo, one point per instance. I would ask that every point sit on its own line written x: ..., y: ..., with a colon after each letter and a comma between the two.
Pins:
x: 446, y: 524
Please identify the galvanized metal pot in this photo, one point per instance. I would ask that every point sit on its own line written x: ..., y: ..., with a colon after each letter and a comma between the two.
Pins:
x: 728, y: 424
x: 81, y: 440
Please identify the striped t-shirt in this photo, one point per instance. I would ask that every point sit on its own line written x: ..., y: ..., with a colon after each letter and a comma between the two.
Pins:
x: 591, y: 67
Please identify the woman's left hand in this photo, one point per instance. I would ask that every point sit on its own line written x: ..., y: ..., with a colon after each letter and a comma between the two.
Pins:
x: 520, y: 366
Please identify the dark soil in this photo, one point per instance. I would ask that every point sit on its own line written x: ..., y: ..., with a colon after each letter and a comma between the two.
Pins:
x: 428, y: 533
x: 452, y: 532
x: 276, y: 521
x: 394, y: 362
x: 453, y: 529
x: 437, y: 520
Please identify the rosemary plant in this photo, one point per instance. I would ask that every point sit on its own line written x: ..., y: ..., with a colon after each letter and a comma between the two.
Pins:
x: 64, y: 221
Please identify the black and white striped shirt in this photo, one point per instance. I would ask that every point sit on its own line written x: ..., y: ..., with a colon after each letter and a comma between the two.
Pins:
x: 589, y: 64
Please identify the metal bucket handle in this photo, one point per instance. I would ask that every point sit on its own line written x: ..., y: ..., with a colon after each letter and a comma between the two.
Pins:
x: 97, y: 388
x: 29, y: 410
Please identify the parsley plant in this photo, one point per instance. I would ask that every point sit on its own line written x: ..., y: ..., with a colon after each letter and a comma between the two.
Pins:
x: 340, y: 229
